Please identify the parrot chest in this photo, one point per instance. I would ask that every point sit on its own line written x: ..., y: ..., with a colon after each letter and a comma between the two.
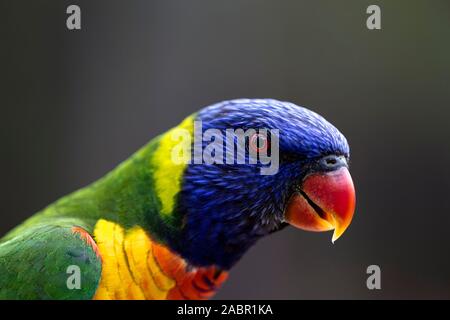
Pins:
x: 136, y: 267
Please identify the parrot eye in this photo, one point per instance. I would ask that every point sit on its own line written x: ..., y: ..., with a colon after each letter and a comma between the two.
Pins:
x: 259, y: 142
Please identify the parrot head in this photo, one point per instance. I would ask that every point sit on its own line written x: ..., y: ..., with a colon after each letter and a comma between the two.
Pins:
x: 224, y: 208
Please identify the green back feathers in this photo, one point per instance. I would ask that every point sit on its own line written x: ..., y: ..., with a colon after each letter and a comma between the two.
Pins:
x: 140, y: 191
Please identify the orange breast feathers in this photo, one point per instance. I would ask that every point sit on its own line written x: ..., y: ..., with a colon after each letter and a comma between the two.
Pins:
x: 136, y: 267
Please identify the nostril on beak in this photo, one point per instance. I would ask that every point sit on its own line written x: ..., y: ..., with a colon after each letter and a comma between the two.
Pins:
x: 332, y: 162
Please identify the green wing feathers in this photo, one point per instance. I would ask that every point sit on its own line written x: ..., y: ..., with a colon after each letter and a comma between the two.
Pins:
x: 38, y: 263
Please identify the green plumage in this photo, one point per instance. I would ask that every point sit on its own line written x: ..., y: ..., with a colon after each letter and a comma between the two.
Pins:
x: 34, y: 264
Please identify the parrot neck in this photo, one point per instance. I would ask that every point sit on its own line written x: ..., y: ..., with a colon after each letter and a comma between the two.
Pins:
x: 126, y: 196
x: 222, y: 220
x: 131, y: 195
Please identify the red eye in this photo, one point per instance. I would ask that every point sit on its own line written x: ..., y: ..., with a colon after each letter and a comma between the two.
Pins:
x: 258, y: 142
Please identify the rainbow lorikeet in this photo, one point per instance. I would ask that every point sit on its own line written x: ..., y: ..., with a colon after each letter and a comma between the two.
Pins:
x: 160, y: 228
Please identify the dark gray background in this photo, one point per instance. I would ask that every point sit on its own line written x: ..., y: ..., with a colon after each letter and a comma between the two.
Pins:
x: 75, y: 104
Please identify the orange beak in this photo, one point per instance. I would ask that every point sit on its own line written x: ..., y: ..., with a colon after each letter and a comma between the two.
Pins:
x: 326, y: 201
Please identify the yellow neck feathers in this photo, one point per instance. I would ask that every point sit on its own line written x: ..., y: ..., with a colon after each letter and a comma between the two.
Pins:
x: 170, y: 160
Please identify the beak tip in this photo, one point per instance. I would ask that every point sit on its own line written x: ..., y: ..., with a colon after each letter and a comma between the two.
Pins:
x: 337, y: 234
x: 333, y: 240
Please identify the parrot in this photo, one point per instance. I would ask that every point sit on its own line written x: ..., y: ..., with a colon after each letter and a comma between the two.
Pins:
x: 158, y: 229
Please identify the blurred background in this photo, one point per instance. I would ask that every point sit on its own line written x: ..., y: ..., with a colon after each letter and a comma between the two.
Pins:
x: 76, y: 103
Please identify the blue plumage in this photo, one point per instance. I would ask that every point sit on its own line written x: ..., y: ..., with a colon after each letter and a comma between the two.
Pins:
x: 227, y: 207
